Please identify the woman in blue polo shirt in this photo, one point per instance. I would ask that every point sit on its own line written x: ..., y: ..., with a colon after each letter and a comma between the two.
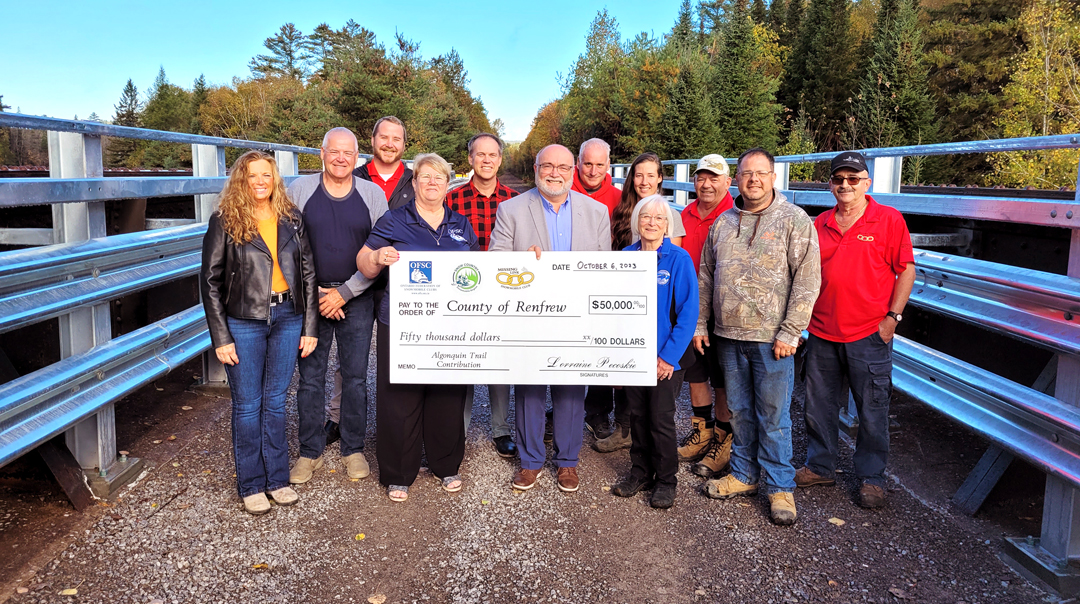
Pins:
x: 412, y: 417
x: 652, y: 408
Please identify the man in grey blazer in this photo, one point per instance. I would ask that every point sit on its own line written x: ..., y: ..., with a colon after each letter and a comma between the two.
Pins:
x: 550, y: 217
x: 339, y: 212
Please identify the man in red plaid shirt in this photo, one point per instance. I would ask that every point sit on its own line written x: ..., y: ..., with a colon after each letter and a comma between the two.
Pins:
x: 477, y: 200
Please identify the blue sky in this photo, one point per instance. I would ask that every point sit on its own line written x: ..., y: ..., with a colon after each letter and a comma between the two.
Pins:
x: 72, y: 58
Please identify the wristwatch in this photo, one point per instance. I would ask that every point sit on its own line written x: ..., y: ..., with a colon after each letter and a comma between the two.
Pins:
x: 897, y: 316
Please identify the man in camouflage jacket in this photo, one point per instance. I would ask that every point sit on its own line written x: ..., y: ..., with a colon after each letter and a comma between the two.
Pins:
x: 760, y: 274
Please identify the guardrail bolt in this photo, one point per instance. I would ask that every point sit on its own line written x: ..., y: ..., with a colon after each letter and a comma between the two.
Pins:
x: 95, y: 273
x: 99, y: 374
x: 123, y: 456
x: 102, y: 473
x: 1030, y: 540
x: 1068, y: 316
x: 1053, y: 213
x: 1068, y: 214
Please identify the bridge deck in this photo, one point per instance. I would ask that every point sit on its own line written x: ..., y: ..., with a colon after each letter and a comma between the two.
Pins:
x: 180, y: 535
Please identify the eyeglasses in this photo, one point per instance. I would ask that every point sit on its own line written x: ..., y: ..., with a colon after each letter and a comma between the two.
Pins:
x: 564, y: 168
x: 761, y: 174
x: 851, y: 180
x: 656, y: 219
x: 435, y: 178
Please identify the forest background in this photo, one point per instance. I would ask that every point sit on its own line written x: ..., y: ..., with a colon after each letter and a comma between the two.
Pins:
x: 792, y: 76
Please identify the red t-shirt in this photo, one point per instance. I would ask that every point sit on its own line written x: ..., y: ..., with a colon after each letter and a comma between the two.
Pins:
x: 697, y: 228
x: 858, y: 271
x: 386, y: 185
x: 608, y: 194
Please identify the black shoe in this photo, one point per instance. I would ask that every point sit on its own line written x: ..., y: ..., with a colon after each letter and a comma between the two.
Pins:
x: 599, y: 426
x: 504, y: 446
x: 549, y: 429
x: 333, y: 432
x: 631, y: 485
x: 663, y: 496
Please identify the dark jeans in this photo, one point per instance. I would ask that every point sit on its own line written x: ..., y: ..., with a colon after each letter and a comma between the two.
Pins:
x: 354, y: 343
x: 867, y: 364
x: 267, y: 352
x: 410, y: 418
x: 600, y: 400
x: 652, y: 428
x: 759, y: 396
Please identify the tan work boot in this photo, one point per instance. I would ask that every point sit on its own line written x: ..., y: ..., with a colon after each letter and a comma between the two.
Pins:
x: 716, y: 457
x: 696, y: 443
x: 303, y: 469
x: 728, y: 487
x: 356, y: 465
x: 256, y: 504
x: 782, y: 508
x: 284, y: 496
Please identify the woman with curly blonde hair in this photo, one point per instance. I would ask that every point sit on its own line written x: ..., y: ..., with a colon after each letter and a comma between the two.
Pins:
x: 258, y: 289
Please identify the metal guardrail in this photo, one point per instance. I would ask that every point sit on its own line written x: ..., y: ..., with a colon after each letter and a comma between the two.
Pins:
x: 36, y: 407
x: 1035, y: 426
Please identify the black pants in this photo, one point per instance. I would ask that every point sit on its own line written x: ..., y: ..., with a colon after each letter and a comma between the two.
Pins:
x: 600, y: 400
x: 411, y: 418
x: 652, y: 428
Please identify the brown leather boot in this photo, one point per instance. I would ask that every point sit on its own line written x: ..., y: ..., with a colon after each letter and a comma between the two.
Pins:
x: 696, y: 443
x: 717, y: 457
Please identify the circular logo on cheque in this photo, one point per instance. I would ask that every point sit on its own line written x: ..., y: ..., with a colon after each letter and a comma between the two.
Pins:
x: 467, y: 277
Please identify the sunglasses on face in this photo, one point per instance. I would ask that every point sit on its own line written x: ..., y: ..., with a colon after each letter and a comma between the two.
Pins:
x: 851, y: 180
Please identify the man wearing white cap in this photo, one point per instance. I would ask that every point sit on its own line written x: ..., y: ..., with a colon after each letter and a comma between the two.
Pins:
x: 709, y: 441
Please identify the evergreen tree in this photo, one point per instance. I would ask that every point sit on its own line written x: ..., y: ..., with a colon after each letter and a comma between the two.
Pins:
x: 168, y: 108
x: 682, y: 35
x: 744, y: 103
x: 94, y: 117
x: 970, y: 46
x: 777, y: 19
x: 795, y: 66
x: 120, y: 150
x: 289, y: 57
x: 758, y: 12
x: 688, y: 127
x: 893, y: 106
x: 199, y: 93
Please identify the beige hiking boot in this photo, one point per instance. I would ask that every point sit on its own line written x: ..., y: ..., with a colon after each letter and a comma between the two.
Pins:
x: 696, y: 443
x: 303, y: 469
x: 782, y: 508
x: 728, y: 487
x: 256, y: 504
x: 284, y: 496
x: 356, y: 465
x: 716, y: 457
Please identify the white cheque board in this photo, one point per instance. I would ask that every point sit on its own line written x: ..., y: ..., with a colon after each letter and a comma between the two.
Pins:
x: 508, y: 318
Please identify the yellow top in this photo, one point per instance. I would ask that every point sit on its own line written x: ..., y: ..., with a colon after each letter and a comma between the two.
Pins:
x: 268, y: 231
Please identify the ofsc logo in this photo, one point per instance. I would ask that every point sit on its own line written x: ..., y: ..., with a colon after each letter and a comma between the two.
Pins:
x: 512, y: 278
x: 467, y: 277
x: 419, y: 271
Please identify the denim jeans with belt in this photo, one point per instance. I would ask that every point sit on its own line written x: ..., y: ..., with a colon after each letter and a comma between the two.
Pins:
x: 267, y: 351
x: 353, y: 345
x: 759, y: 396
x: 867, y: 365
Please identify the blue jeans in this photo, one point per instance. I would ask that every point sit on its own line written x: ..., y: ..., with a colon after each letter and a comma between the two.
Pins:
x: 867, y: 364
x: 353, y: 342
x: 759, y: 396
x: 267, y: 352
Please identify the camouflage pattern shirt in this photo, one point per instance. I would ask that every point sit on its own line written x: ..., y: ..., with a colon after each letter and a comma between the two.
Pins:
x: 760, y: 273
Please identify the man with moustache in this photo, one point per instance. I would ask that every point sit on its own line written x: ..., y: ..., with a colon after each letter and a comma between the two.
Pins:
x: 867, y: 271
x: 760, y: 274
x: 478, y: 201
x: 550, y: 217
x: 339, y: 211
x: 386, y: 169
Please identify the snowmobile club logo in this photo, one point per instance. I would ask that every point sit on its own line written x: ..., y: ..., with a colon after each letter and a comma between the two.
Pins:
x: 419, y: 271
x: 466, y: 277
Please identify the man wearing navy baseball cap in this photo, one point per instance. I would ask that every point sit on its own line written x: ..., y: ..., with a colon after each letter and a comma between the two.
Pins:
x: 867, y: 271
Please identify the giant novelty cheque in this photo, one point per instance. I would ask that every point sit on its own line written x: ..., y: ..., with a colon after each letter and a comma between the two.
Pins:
x: 508, y: 318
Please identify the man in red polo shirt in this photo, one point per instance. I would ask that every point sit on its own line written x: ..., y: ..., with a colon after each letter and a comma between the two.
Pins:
x: 591, y: 176
x: 709, y: 440
x: 386, y: 168
x: 867, y: 270
x: 477, y: 200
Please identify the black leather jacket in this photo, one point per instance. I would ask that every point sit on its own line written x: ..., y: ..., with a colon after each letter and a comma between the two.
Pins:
x: 236, y: 278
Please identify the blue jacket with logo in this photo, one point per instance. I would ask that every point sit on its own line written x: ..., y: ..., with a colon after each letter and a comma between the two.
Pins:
x: 675, y: 279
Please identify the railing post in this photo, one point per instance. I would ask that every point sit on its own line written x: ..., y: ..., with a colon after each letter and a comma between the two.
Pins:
x: 619, y: 172
x: 288, y: 163
x: 208, y: 160
x: 1053, y: 556
x: 682, y: 174
x: 783, y: 175
x: 886, y: 174
x: 93, y: 440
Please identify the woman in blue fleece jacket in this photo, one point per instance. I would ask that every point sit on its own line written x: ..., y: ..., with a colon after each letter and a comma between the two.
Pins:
x: 652, y: 408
